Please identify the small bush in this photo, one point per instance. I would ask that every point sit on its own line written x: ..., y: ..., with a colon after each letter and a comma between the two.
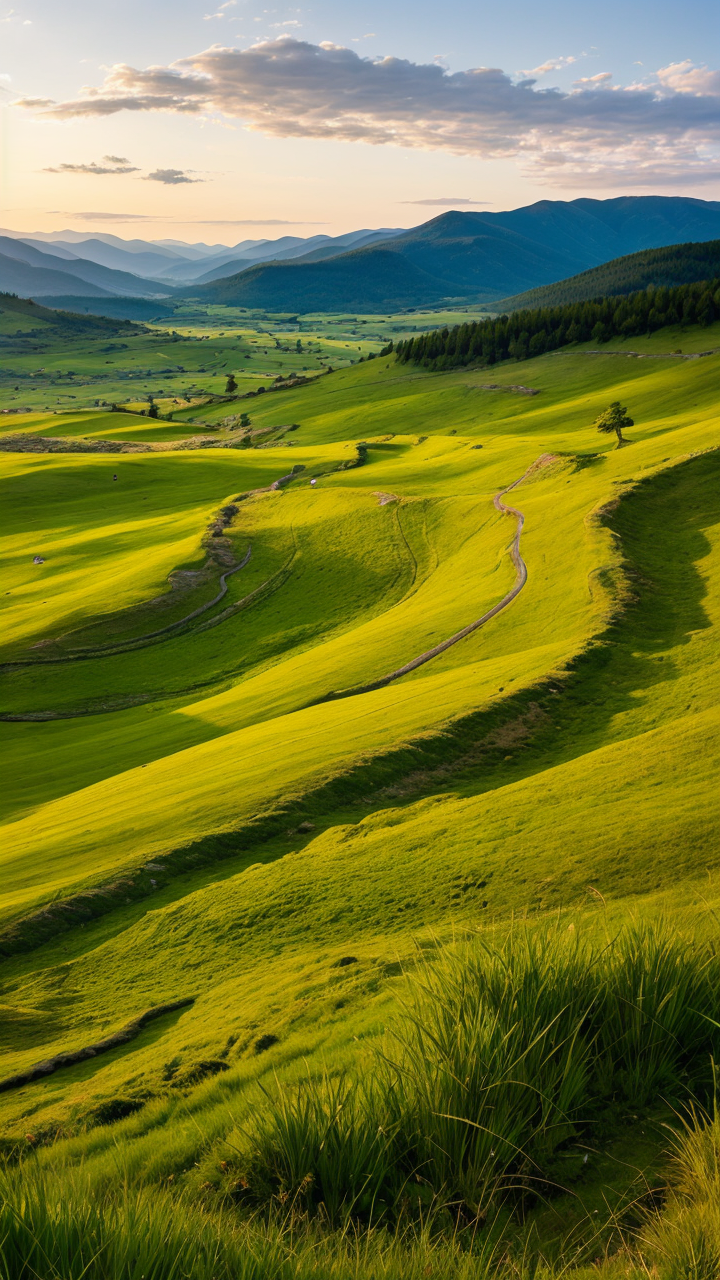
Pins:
x: 198, y: 1071
x: 263, y: 1043
x: 112, y: 1110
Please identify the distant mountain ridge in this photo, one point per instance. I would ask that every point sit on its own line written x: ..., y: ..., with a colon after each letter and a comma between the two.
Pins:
x: 456, y: 256
x: 172, y: 264
x: 231, y: 261
x: 37, y: 282
x: 477, y: 257
x: 34, y: 272
x: 385, y: 281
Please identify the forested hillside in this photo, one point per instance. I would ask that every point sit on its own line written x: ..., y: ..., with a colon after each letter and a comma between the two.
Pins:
x: 524, y: 334
x: 673, y: 265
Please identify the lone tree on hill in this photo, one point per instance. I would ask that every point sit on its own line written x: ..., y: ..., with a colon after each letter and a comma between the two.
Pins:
x: 231, y: 384
x: 614, y: 419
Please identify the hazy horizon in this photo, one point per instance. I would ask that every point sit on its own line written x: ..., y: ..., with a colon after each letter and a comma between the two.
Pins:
x: 218, y: 123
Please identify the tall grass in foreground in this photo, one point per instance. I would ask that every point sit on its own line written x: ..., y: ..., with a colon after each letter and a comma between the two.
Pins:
x: 506, y: 1061
x: 506, y: 1056
x: 684, y: 1239
x: 52, y: 1229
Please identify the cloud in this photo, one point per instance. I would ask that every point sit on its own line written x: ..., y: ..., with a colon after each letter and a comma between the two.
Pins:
x: 111, y: 164
x: 553, y: 64
x: 602, y: 77
x: 88, y: 216
x: 685, y: 77
x: 454, y: 200
x: 252, y: 222
x: 289, y: 88
x: 171, y: 177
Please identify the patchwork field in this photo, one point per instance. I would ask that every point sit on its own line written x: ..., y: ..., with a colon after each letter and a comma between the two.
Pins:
x: 218, y: 799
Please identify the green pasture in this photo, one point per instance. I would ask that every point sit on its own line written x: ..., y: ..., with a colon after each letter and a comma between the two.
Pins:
x: 42, y: 370
x: 110, y: 529
x: 99, y: 424
x: 328, y: 617
x: 558, y: 764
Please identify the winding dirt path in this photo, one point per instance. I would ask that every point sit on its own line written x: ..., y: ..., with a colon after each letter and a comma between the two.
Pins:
x: 138, y: 642
x: 521, y: 579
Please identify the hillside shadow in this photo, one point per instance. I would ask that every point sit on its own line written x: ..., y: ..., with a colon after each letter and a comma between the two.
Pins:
x: 661, y: 525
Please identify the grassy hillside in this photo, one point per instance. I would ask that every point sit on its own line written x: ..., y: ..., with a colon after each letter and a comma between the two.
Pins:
x: 79, y: 362
x: 22, y: 315
x: 191, y: 818
x: 659, y: 268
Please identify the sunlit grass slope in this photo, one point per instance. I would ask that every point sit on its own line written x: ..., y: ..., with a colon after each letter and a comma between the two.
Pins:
x: 335, y: 617
x: 561, y: 759
x: 96, y: 424
x: 109, y: 529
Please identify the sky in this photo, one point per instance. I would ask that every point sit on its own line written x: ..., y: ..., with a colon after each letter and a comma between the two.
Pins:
x: 218, y: 123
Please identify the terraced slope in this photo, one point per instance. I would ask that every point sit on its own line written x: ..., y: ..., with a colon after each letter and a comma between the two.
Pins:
x: 221, y: 827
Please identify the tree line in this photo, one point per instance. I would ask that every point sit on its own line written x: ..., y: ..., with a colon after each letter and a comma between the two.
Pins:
x: 524, y: 334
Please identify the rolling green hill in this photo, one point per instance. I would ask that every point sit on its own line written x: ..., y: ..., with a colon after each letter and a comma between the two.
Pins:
x: 21, y: 315
x: 366, y: 280
x: 217, y: 812
x: 657, y: 268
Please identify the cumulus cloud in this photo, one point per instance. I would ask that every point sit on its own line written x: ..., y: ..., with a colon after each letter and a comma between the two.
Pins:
x: 290, y: 88
x: 685, y: 77
x: 110, y: 164
x: 171, y: 177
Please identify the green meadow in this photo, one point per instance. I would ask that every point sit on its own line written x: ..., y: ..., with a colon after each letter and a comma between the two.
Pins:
x: 447, y: 946
x: 48, y: 370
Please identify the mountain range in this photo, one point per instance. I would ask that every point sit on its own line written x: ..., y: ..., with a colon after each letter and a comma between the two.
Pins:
x: 457, y: 256
x: 474, y: 257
